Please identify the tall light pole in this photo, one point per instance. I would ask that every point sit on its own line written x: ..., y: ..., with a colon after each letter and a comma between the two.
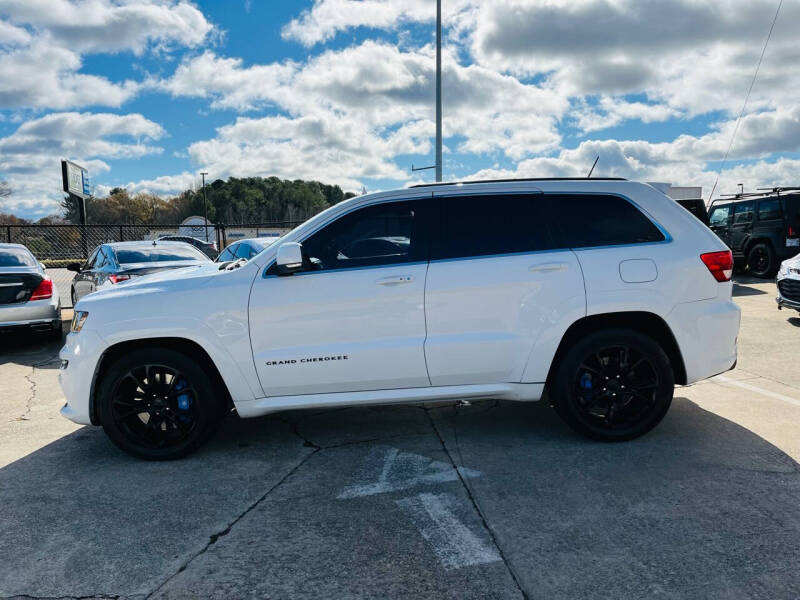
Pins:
x: 205, y: 203
x: 438, y: 165
x: 438, y: 90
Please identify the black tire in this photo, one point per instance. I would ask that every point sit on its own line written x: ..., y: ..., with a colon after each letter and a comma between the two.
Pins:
x: 615, y: 367
x: 172, y: 421
x: 761, y: 260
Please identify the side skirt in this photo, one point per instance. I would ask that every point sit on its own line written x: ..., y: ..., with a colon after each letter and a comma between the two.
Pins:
x: 523, y: 392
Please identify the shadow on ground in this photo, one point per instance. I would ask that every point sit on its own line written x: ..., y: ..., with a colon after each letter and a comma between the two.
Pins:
x: 31, y: 349
x: 746, y: 290
x: 700, y: 507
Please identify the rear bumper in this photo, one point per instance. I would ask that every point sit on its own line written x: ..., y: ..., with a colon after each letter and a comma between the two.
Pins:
x: 706, y: 332
x: 36, y: 314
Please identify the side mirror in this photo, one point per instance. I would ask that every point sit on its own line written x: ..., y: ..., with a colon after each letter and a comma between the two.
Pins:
x: 289, y: 258
x: 74, y: 267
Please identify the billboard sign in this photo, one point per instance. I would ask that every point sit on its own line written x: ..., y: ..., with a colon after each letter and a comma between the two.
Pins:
x: 75, y: 179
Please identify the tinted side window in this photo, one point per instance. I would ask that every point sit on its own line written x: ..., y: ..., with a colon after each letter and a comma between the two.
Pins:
x: 487, y: 225
x: 243, y: 251
x: 590, y: 220
x: 383, y: 234
x: 226, y: 255
x: 90, y: 261
x: 769, y: 209
x: 719, y: 215
x: 743, y: 212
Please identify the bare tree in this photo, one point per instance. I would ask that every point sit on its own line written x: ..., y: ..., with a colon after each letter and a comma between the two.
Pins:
x: 5, y: 189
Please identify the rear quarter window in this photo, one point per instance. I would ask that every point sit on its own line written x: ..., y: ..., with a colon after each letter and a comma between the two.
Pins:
x: 592, y: 220
x: 769, y: 209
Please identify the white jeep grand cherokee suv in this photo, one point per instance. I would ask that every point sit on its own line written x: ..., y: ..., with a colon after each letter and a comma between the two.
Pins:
x: 604, y: 292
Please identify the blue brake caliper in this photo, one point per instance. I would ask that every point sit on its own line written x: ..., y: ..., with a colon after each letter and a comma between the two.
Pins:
x: 184, y: 400
x: 587, y: 388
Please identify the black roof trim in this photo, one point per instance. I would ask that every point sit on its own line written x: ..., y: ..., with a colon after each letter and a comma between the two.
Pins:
x: 786, y: 192
x: 422, y: 185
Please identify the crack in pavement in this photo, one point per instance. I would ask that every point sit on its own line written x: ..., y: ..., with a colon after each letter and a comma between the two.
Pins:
x: 215, y: 537
x: 477, y: 508
x: 31, y: 397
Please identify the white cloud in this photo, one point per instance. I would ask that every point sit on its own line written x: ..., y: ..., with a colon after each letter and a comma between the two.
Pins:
x: 111, y: 26
x: 30, y: 157
x: 326, y: 18
x: 42, y: 44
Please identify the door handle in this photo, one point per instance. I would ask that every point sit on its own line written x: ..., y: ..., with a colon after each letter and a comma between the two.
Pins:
x: 396, y: 280
x: 548, y: 267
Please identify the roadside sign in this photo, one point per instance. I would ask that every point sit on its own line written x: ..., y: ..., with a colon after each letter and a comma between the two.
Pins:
x: 75, y: 179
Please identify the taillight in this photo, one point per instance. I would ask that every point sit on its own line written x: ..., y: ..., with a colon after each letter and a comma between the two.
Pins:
x: 43, y: 291
x: 720, y: 264
x: 118, y: 278
x: 791, y: 232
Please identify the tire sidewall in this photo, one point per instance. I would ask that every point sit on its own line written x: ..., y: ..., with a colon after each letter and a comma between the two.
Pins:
x: 568, y: 367
x: 770, y: 253
x: 207, y: 403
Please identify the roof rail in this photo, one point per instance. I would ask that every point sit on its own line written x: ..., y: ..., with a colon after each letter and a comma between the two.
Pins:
x: 421, y: 185
x: 774, y: 191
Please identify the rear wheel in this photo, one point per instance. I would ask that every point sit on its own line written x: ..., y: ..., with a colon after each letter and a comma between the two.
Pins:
x: 613, y: 385
x: 761, y: 260
x: 157, y: 404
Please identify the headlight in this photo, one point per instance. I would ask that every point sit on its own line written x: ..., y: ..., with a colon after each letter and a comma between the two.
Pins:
x: 78, y: 319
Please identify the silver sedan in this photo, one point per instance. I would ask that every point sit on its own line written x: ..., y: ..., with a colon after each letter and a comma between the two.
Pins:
x: 28, y: 298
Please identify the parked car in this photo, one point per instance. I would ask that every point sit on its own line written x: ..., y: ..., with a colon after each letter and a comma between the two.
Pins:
x: 113, y: 263
x: 789, y: 284
x: 605, y: 292
x: 207, y: 248
x: 28, y: 298
x: 245, y: 249
x: 761, y: 229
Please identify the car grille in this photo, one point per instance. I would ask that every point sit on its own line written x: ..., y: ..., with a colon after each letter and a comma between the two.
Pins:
x: 790, y: 289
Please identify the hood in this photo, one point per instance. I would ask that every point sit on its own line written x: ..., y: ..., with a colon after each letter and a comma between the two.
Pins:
x: 166, y: 280
x: 792, y: 263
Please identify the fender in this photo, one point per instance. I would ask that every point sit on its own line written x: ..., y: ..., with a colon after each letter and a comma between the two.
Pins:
x: 222, y: 339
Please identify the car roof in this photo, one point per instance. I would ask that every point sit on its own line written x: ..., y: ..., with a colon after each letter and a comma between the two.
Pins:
x: 515, y: 180
x: 147, y: 244
x: 7, y: 245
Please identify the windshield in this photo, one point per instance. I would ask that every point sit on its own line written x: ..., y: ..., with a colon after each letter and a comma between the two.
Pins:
x: 158, y: 254
x: 16, y: 257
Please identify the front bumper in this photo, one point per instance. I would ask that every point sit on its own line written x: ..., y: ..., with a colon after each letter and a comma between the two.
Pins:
x: 79, y: 358
x: 786, y: 303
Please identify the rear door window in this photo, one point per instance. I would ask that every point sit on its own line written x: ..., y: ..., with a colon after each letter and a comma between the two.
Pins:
x: 592, y: 220
x: 769, y: 209
x: 719, y: 216
x: 743, y: 213
x: 492, y: 224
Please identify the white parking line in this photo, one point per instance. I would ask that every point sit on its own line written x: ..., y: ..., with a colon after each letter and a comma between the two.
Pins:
x: 453, y: 543
x: 758, y: 390
x: 389, y: 470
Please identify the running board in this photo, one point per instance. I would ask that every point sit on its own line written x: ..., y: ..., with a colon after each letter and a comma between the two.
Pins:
x: 524, y: 392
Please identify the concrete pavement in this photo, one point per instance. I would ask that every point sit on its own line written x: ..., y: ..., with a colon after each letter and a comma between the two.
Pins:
x: 488, y: 500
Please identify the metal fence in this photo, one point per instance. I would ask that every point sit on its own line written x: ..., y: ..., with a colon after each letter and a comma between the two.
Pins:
x: 56, y: 246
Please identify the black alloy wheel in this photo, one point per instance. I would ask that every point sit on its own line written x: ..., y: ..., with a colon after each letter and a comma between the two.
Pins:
x: 158, y: 404
x: 761, y: 260
x: 614, y: 385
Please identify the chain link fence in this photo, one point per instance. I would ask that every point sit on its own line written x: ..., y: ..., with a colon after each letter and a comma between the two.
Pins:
x: 56, y: 246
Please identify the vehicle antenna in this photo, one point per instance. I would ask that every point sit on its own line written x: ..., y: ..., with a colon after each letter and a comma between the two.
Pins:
x: 594, y: 164
x: 746, y: 98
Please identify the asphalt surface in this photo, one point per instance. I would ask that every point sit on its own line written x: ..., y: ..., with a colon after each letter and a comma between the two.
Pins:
x: 488, y: 500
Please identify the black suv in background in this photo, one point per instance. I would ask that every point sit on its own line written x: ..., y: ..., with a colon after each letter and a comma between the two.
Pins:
x: 763, y: 229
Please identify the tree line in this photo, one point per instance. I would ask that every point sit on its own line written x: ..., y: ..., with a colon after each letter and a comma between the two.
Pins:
x: 235, y: 201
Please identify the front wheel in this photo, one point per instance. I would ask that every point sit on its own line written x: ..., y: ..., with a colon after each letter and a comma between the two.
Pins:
x: 613, y: 385
x: 157, y: 404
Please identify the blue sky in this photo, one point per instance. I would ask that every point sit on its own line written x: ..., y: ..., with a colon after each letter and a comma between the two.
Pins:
x: 148, y: 93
